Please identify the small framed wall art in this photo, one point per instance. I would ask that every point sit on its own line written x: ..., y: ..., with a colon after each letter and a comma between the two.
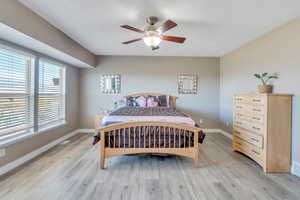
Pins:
x: 110, y: 83
x: 187, y: 84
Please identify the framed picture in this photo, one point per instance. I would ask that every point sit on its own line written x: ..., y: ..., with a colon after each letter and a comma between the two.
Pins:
x: 187, y: 84
x: 110, y: 83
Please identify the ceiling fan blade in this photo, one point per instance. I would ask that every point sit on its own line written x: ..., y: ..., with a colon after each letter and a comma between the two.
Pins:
x: 166, y: 26
x: 173, y: 38
x: 131, y: 41
x: 132, y: 28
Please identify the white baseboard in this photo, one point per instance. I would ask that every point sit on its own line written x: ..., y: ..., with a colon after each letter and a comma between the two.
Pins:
x: 14, y: 164
x: 210, y: 130
x: 295, y: 168
x: 226, y: 134
x: 86, y: 131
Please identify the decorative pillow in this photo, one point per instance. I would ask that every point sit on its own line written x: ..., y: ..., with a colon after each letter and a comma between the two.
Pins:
x: 163, y: 101
x: 141, y: 101
x: 152, y: 102
x: 131, y: 101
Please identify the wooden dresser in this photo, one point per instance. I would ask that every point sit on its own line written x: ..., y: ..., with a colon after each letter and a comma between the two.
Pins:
x: 262, y: 129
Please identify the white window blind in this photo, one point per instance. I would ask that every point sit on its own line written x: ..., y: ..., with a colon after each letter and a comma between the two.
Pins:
x: 16, y: 93
x: 51, y: 94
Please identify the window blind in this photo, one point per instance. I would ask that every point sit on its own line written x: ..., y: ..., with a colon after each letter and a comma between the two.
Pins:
x: 51, y: 94
x: 16, y: 93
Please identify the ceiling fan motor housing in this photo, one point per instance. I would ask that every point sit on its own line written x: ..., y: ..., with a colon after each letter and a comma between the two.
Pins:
x: 152, y: 20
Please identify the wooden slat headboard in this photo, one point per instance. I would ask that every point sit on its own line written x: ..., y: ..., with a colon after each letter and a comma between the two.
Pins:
x: 172, y: 98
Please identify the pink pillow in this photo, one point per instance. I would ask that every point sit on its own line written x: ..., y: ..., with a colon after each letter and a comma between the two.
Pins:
x: 142, y: 101
x: 151, y: 102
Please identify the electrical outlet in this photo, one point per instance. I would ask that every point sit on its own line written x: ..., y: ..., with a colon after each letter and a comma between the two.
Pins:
x: 2, y: 153
x: 200, y: 121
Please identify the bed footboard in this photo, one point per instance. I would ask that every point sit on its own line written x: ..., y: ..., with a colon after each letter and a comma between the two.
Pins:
x: 149, y: 137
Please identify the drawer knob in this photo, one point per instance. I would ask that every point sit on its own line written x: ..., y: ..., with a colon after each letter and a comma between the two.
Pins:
x: 256, y: 140
x: 256, y: 128
x: 256, y: 110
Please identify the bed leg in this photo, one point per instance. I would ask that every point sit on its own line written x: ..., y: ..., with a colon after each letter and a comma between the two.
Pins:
x: 102, y: 153
x: 196, y: 149
x: 196, y: 160
x: 102, y: 161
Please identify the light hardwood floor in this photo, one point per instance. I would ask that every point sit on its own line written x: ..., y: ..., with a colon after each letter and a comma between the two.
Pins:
x: 71, y: 171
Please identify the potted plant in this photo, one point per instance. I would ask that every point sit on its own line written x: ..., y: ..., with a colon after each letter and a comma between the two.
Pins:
x: 265, y: 78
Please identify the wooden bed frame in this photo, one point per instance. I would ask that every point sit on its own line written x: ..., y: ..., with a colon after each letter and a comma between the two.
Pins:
x: 184, y: 131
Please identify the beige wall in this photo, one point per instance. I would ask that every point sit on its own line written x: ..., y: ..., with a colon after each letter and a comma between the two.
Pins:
x: 17, y: 16
x: 21, y: 148
x: 153, y: 74
x: 278, y: 51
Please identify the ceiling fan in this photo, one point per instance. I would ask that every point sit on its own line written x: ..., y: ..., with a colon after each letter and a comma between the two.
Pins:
x: 153, y: 35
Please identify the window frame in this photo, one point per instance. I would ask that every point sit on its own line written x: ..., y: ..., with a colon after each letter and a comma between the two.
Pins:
x: 30, y: 70
x: 59, y: 122
x: 11, y: 138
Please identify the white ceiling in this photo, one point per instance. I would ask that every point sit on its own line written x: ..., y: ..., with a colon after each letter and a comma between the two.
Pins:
x: 212, y: 27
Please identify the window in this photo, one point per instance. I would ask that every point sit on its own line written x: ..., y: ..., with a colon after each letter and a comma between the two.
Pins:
x: 51, y: 94
x: 16, y: 93
x: 29, y: 85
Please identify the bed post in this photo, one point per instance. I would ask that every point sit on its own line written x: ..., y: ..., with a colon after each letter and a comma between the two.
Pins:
x: 196, y: 149
x: 102, y: 151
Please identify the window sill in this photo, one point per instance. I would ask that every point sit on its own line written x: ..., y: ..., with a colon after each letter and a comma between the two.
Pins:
x: 22, y: 137
x: 53, y: 126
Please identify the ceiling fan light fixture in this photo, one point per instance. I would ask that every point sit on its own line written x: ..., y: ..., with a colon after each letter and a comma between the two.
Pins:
x: 152, y: 38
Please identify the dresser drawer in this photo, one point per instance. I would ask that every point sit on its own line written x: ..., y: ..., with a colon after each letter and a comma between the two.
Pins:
x: 240, y: 123
x: 257, y: 100
x: 257, y: 128
x: 241, y: 99
x: 238, y: 107
x: 257, y: 110
x: 253, y: 127
x: 249, y: 117
x: 249, y: 109
x: 250, y: 150
x: 254, y: 139
x: 257, y: 119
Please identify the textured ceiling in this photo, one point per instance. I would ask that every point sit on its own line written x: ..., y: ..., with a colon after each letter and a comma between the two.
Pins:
x: 212, y: 27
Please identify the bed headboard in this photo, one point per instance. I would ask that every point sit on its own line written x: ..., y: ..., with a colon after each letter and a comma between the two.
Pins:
x: 172, y: 98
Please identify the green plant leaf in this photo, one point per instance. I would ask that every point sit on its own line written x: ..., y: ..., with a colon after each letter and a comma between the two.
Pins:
x: 275, y: 77
x: 257, y: 76
x: 264, y: 74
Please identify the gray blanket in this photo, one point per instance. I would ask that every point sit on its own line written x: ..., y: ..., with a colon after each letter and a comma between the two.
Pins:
x: 154, y: 111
